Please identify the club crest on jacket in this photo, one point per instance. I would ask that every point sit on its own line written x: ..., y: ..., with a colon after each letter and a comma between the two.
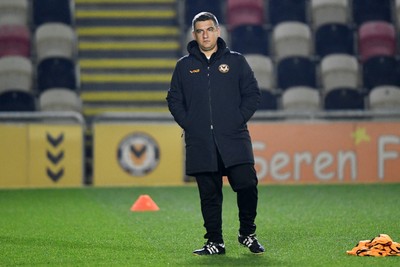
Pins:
x: 223, y: 68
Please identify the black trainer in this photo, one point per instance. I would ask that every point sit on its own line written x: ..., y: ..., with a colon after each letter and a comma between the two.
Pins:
x: 252, y: 243
x: 211, y: 248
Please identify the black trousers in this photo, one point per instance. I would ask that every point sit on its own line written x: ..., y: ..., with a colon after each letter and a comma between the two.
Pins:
x: 243, y: 180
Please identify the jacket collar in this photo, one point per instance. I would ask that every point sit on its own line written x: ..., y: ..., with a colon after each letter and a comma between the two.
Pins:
x: 193, y: 49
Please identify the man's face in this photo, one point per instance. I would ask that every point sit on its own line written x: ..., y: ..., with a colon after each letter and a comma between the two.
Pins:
x: 206, y: 35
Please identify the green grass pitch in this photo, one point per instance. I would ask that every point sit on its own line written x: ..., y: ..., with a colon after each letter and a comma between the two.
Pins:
x: 302, y: 225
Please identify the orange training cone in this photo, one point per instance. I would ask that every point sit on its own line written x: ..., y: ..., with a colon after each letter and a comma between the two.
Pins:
x: 144, y: 203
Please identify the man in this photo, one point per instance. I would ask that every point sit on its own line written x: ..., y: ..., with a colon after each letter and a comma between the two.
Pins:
x: 213, y: 94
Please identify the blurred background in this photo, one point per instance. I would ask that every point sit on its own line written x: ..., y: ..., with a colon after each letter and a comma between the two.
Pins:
x: 88, y: 63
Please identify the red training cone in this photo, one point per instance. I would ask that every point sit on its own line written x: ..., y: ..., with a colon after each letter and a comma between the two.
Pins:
x: 144, y: 203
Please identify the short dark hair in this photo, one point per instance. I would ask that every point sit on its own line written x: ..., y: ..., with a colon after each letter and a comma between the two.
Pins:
x: 204, y: 16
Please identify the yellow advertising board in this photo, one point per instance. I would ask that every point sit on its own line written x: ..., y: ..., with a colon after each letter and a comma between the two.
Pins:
x: 137, y: 154
x: 332, y: 152
x: 13, y: 155
x: 55, y: 155
x: 41, y: 155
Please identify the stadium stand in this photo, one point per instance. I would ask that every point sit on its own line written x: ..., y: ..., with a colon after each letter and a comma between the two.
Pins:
x: 50, y: 31
x: 329, y: 11
x: 291, y: 39
x: 353, y: 44
x: 14, y: 12
x: 55, y: 44
x: 329, y: 27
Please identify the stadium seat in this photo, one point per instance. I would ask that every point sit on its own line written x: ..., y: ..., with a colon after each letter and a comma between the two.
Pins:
x: 193, y: 7
x: 56, y: 72
x: 339, y: 70
x: 263, y: 70
x: 239, y: 12
x: 269, y: 100
x: 301, y: 98
x: 16, y: 72
x: 329, y: 11
x: 384, y: 98
x: 15, y: 39
x: 250, y: 39
x: 54, y: 40
x: 397, y: 13
x: 223, y: 33
x: 334, y: 38
x: 52, y: 11
x: 296, y: 71
x: 380, y: 70
x: 287, y: 10
x: 291, y: 39
x: 376, y: 38
x: 17, y: 100
x: 344, y: 99
x: 371, y: 10
x: 60, y: 99
x: 14, y: 12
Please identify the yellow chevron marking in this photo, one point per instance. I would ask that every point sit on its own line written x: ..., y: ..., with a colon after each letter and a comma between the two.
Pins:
x: 127, y: 63
x: 121, y: 14
x: 127, y: 31
x: 124, y: 1
x: 92, y: 111
x: 123, y: 96
x: 128, y: 45
x: 125, y: 78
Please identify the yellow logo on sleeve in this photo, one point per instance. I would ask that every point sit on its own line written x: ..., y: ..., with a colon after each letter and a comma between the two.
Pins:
x: 195, y: 71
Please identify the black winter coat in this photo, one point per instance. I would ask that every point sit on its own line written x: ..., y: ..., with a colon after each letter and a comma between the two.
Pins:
x: 212, y: 100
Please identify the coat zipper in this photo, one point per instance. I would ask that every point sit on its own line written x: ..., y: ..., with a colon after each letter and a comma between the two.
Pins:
x: 209, y: 96
x: 209, y: 103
